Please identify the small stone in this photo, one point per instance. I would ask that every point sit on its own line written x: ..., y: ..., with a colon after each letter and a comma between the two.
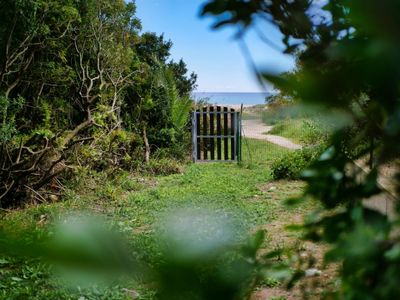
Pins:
x: 312, y: 272
x: 53, y: 198
x: 303, y: 254
x: 272, y: 188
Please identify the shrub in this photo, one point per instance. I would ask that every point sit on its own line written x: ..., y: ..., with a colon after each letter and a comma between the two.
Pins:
x: 288, y: 166
x: 291, y: 164
x: 315, y: 131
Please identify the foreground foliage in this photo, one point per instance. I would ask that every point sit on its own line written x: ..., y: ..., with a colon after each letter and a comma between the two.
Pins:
x: 348, y: 62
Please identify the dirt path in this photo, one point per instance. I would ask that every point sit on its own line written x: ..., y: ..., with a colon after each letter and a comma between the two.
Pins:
x: 255, y: 129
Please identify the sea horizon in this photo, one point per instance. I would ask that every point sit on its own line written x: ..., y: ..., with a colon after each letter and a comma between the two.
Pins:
x: 233, y: 98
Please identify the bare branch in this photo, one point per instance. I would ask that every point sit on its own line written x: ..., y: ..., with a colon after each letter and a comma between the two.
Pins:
x: 19, y: 152
x: 36, y: 193
x: 74, y: 132
x: 10, y: 37
x: 8, y: 189
x: 21, y: 73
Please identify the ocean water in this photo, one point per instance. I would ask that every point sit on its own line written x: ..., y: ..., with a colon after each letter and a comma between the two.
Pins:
x: 232, y: 98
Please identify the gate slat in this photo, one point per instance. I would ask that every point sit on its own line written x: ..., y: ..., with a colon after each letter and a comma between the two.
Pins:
x: 219, y: 133
x: 212, y: 141
x: 205, y: 132
x: 226, y: 140
x: 199, y: 149
x: 233, y: 127
x: 194, y: 137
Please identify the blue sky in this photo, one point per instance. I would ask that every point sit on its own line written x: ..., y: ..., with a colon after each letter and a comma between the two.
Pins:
x: 214, y: 55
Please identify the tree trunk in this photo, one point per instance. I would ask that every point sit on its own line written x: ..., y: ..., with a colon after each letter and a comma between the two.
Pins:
x: 146, y: 146
x: 74, y: 132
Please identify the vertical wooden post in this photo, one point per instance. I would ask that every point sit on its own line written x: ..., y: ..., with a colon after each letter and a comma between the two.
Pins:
x: 212, y: 140
x: 205, y: 132
x: 240, y: 144
x: 219, y: 133
x: 233, y: 134
x: 239, y: 136
x: 226, y: 140
x: 194, y: 138
x: 198, y: 148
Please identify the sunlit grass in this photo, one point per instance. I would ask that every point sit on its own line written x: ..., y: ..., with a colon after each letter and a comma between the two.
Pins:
x: 294, y: 129
x: 261, y: 152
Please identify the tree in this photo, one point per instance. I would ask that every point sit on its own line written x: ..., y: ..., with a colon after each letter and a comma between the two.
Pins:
x: 151, y: 103
x: 184, y: 84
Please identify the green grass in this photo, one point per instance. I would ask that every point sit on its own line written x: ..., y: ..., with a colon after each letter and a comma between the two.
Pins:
x: 134, y: 205
x: 261, y: 153
x: 293, y: 129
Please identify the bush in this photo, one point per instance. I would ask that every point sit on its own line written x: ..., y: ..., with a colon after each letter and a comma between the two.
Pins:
x: 315, y: 131
x: 290, y: 165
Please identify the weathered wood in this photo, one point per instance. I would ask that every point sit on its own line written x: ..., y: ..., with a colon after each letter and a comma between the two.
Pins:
x: 232, y: 130
x: 198, y: 134
x: 205, y: 132
x: 194, y: 137
x: 219, y: 133
x: 226, y: 140
x: 212, y: 140
x: 238, y: 130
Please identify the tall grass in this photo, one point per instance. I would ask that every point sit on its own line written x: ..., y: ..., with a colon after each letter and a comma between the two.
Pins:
x: 306, y: 128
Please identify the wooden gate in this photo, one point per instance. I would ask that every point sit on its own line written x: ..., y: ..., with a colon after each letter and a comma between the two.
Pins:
x: 216, y: 134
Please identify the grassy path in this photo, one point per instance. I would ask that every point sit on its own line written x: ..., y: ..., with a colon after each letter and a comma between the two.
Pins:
x: 134, y: 205
x: 256, y: 129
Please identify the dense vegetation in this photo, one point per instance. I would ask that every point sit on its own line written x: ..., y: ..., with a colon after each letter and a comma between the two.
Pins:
x: 82, y: 87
